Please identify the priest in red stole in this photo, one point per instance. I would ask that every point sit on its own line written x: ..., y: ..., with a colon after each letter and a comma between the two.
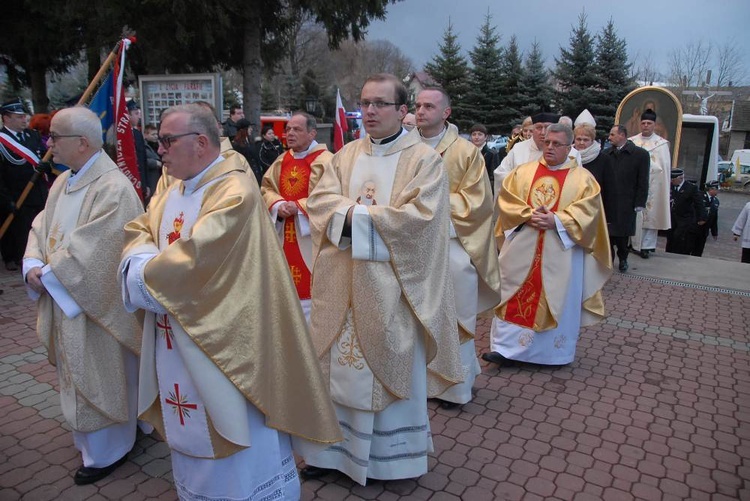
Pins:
x: 285, y: 187
x: 554, y: 257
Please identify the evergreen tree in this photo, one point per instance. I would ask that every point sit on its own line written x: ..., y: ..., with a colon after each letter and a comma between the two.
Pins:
x: 613, y: 76
x: 485, y: 96
x: 512, y: 98
x: 535, y: 85
x: 450, y: 70
x: 576, y: 72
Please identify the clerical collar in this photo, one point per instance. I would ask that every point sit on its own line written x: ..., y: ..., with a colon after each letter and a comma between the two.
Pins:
x: 303, y: 154
x: 435, y: 140
x: 189, y: 185
x: 75, y: 175
x: 388, y: 139
x: 560, y: 166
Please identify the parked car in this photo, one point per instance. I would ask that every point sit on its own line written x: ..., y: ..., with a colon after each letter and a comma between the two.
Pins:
x: 497, y: 142
x: 742, y: 176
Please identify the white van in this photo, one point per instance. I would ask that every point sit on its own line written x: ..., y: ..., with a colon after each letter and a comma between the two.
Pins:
x: 741, y: 167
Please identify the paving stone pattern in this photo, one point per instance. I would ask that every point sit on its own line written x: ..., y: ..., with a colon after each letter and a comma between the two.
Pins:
x: 655, y: 407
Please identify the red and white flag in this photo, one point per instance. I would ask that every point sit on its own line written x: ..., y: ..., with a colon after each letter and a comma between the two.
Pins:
x: 340, y: 126
x: 126, y: 159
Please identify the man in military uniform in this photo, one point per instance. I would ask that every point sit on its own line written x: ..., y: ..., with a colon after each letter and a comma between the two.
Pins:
x: 20, y: 152
x: 711, y: 204
x: 687, y: 210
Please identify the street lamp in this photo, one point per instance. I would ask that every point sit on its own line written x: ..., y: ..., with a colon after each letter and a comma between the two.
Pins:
x: 311, y: 104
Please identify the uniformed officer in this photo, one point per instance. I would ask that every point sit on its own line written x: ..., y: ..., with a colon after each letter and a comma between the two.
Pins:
x: 711, y: 204
x: 687, y: 210
x: 20, y: 152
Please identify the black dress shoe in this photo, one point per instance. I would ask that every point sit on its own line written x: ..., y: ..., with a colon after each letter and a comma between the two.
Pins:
x: 87, y: 475
x: 494, y: 357
x: 643, y: 254
x: 11, y: 266
x: 448, y: 405
x: 623, y: 266
x: 312, y: 472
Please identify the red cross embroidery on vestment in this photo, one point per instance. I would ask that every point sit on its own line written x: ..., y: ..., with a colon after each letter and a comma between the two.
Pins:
x: 166, y: 328
x: 179, y: 404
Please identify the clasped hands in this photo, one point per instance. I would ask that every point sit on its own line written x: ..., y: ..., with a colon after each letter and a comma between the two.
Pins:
x: 287, y: 209
x: 542, y: 219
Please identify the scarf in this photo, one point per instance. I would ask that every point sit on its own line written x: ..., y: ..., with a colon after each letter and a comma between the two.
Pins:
x: 590, y: 153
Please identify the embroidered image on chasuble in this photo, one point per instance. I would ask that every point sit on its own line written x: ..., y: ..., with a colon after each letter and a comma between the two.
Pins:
x: 290, y: 179
x: 213, y: 346
x: 294, y: 184
x: 530, y: 300
x: 184, y: 415
x: 393, y: 285
x: 537, y: 265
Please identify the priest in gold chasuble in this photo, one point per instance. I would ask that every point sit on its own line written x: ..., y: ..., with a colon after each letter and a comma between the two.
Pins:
x: 473, y: 258
x: 285, y: 189
x: 70, y: 267
x: 228, y: 371
x: 554, y: 257
x: 383, y: 317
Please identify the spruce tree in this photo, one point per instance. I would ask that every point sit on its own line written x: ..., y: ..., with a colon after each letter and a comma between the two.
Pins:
x: 484, y: 97
x: 513, y: 99
x: 450, y: 70
x: 535, y: 83
x: 575, y: 72
x: 613, y: 76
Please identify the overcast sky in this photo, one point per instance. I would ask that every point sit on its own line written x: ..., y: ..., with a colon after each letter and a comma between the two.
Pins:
x: 649, y: 26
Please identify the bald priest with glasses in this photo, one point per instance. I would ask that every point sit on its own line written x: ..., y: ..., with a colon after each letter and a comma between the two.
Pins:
x: 70, y: 268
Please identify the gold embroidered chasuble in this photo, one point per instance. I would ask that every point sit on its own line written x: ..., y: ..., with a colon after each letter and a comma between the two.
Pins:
x: 656, y: 215
x: 471, y: 206
x: 414, y: 227
x: 228, y: 286
x: 580, y: 209
x: 85, y: 260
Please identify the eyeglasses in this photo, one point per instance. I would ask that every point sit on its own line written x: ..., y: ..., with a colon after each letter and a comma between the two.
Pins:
x: 378, y: 104
x: 166, y: 141
x: 555, y: 144
x: 54, y: 136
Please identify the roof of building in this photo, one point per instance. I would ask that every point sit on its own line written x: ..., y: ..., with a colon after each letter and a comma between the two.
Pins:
x: 741, y: 116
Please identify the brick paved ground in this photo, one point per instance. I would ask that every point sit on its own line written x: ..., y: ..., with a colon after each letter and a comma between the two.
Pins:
x: 655, y: 407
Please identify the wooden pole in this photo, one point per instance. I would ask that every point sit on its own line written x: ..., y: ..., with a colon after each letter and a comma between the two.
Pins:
x: 84, y: 98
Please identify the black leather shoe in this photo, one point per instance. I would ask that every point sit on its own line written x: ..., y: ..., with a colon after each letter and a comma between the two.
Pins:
x: 448, y: 405
x: 11, y: 266
x: 643, y: 254
x: 312, y: 472
x: 86, y: 475
x: 623, y: 266
x: 494, y: 357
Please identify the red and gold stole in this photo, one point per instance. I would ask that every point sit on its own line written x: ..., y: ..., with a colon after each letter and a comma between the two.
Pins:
x: 530, y: 302
x: 294, y: 184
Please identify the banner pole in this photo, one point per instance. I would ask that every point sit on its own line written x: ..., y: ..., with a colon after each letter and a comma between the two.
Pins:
x: 84, y: 97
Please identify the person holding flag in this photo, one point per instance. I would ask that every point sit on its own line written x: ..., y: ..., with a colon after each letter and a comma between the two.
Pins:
x: 20, y: 151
